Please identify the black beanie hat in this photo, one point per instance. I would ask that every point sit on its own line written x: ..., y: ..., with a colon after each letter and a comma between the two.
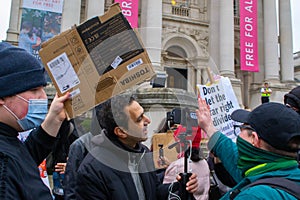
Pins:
x: 293, y: 98
x: 19, y: 70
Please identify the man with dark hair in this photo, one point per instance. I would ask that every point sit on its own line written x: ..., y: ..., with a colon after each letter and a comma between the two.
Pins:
x: 266, y: 146
x: 119, y: 166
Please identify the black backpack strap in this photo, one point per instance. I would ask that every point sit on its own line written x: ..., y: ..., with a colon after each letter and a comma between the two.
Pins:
x: 275, y: 182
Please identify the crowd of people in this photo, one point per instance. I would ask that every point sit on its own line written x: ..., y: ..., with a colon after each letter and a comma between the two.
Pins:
x: 111, y: 161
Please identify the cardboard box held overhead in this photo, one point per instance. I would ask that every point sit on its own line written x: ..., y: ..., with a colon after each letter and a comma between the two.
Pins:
x: 96, y: 60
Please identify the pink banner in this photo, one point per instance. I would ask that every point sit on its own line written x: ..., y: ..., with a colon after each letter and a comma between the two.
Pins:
x: 130, y: 9
x: 248, y: 35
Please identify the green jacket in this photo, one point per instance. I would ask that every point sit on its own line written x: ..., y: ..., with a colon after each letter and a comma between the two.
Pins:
x: 226, y: 150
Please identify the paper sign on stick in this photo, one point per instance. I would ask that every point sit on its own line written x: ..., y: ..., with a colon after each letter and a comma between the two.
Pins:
x: 222, y: 101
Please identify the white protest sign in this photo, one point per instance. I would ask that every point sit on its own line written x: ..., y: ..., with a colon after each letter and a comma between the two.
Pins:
x: 222, y: 101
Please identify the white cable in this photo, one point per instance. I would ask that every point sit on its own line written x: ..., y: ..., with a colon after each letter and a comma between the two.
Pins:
x: 174, y: 196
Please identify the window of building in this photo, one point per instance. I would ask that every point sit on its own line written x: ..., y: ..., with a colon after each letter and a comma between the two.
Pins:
x: 181, y: 7
x: 236, y: 8
x: 177, y: 78
x: 182, y: 3
x: 177, y: 74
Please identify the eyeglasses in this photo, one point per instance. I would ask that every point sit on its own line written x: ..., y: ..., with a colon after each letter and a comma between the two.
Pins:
x: 241, y: 127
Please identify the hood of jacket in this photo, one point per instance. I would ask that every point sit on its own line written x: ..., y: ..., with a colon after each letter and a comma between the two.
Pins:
x: 113, y: 153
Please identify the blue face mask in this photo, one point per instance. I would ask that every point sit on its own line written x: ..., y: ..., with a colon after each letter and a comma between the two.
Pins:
x: 37, y: 110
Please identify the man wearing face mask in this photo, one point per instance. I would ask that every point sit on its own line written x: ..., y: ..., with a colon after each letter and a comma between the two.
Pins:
x: 23, y: 106
x: 267, y: 146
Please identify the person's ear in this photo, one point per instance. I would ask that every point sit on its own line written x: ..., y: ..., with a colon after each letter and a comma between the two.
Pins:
x: 120, y: 132
x: 1, y: 101
x: 256, y: 140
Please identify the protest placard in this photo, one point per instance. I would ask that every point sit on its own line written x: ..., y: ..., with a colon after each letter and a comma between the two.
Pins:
x: 222, y: 101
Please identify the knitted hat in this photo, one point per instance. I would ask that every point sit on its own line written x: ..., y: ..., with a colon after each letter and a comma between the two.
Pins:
x: 19, y: 70
x: 195, y: 137
x: 293, y: 98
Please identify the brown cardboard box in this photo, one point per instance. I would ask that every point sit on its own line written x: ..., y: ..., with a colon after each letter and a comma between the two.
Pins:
x: 96, y: 60
x: 164, y: 139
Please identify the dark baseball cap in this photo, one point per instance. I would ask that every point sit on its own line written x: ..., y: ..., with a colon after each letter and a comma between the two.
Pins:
x: 275, y: 123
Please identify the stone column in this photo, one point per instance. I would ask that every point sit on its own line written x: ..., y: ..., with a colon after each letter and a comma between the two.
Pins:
x: 270, y: 40
x: 198, y: 76
x: 191, y: 80
x: 151, y: 29
x: 214, y: 36
x: 226, y: 38
x: 71, y: 14
x: 286, y: 41
x: 259, y: 77
x: 94, y: 8
x: 14, y: 28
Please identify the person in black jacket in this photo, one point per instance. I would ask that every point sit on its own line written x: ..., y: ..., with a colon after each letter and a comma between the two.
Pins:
x: 56, y: 161
x: 120, y: 166
x: 23, y: 106
x: 77, y: 152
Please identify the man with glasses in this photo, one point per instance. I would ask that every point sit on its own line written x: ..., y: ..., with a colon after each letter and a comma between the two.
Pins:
x: 266, y: 146
x: 239, y: 128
